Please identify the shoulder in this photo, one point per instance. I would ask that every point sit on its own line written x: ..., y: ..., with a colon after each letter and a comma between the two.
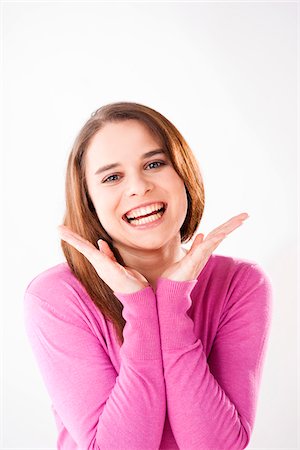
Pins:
x: 46, y: 278
x: 236, y: 278
x: 247, y: 284
x: 239, y: 269
x: 53, y: 281
x: 58, y: 289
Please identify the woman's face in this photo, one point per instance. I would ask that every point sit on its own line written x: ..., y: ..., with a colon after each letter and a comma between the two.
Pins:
x: 135, y: 179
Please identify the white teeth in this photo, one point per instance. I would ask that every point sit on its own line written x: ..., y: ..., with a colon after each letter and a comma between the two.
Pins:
x: 144, y: 220
x: 143, y: 211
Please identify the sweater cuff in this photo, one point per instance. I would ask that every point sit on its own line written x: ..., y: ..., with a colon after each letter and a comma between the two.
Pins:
x: 139, y: 304
x: 178, y: 291
x: 173, y: 302
x: 141, y: 331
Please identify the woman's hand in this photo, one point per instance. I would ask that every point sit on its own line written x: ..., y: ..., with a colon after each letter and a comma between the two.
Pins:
x: 190, y: 266
x: 118, y: 278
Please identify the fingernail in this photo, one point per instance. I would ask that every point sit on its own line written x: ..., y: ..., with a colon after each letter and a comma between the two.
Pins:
x: 99, y: 244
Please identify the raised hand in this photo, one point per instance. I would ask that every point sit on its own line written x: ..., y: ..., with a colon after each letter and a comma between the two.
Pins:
x: 118, y: 278
x: 191, y: 265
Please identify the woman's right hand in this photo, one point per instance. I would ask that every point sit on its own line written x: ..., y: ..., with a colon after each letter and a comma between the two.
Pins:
x: 118, y: 278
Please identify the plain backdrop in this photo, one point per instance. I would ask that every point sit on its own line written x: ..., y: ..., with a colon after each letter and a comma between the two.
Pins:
x: 225, y: 73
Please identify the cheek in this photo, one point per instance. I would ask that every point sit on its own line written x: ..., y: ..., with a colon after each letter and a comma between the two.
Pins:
x: 108, y: 211
x: 178, y: 186
x: 177, y: 190
x: 105, y: 204
x: 183, y: 202
x: 102, y: 206
x: 183, y: 197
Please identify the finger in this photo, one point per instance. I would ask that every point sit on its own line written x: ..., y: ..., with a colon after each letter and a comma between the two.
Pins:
x: 205, y: 246
x: 87, y: 249
x: 104, y: 247
x: 239, y: 218
x: 82, y: 245
x: 224, y: 229
x: 230, y: 225
x: 213, y: 241
x: 208, y: 247
x: 108, y: 270
x: 65, y: 231
x: 198, y: 239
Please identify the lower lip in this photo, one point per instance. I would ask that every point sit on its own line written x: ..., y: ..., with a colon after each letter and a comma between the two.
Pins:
x: 153, y: 224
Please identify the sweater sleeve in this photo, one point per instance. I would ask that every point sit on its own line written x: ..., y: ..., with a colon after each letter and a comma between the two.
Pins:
x: 100, y: 408
x: 211, y: 402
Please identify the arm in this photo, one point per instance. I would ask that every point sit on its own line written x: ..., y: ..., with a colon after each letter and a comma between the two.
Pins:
x: 100, y: 408
x: 211, y: 403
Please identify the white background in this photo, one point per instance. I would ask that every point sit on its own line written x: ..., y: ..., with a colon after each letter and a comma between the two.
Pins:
x: 225, y: 73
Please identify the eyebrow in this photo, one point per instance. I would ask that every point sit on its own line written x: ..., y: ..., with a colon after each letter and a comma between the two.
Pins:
x: 145, y: 155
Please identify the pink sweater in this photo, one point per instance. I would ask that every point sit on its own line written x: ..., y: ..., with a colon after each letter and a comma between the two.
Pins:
x: 187, y: 375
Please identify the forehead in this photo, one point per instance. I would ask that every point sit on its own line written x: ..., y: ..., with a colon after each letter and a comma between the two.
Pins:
x: 116, y: 140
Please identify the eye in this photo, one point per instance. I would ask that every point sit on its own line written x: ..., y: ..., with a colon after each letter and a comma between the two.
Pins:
x: 110, y: 180
x: 157, y: 162
x: 107, y: 180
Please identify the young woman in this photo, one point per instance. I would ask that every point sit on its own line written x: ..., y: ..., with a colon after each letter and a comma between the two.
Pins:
x: 144, y: 345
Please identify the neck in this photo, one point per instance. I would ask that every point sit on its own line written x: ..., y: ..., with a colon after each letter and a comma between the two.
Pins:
x: 151, y: 263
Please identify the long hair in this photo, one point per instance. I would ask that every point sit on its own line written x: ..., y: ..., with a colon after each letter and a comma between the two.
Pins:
x: 80, y: 215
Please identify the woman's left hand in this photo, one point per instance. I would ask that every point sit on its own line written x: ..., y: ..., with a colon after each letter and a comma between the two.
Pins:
x: 190, y: 266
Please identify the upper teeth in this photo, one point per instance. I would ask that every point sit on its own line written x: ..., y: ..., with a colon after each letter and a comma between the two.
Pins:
x: 143, y: 211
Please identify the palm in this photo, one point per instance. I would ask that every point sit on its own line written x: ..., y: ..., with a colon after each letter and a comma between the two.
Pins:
x: 190, y: 266
x: 178, y: 271
x: 117, y: 277
x: 136, y: 275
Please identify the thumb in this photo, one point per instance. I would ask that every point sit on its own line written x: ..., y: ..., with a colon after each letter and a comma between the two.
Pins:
x: 200, y: 237
x: 99, y: 242
x: 104, y: 248
x: 197, y: 241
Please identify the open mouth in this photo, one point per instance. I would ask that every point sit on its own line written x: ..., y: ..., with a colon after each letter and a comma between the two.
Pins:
x: 160, y: 212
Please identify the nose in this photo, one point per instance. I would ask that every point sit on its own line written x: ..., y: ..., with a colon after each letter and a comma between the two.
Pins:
x: 138, y: 185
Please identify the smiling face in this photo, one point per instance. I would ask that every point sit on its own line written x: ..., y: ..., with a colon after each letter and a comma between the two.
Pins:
x: 135, y: 179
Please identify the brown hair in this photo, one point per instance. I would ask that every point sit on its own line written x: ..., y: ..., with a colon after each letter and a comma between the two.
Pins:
x: 81, y: 217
